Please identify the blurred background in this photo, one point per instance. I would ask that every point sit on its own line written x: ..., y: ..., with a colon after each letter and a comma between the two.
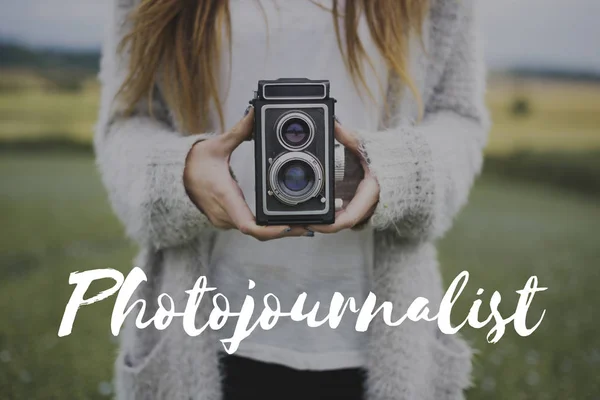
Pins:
x: 534, y: 211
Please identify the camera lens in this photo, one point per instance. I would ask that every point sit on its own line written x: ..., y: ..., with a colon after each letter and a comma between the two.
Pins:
x: 295, y: 130
x: 297, y: 177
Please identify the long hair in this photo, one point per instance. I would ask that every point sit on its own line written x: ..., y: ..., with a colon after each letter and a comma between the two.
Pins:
x: 178, y: 43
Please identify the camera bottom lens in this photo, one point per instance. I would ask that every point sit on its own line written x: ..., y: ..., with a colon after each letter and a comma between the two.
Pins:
x: 296, y: 177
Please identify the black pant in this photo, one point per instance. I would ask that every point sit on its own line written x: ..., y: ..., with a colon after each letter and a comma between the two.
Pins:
x: 247, y: 379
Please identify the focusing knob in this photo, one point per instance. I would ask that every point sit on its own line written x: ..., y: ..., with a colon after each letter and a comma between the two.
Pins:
x: 340, y: 161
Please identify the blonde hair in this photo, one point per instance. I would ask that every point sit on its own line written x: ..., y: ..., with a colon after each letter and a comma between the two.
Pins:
x: 177, y: 43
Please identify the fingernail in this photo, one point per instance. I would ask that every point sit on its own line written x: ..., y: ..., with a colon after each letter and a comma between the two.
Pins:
x: 309, y: 234
x: 247, y: 110
x: 337, y: 119
x: 286, y: 230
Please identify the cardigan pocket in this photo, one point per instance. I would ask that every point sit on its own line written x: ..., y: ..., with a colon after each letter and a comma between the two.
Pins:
x: 451, y: 366
x: 127, y: 363
x: 141, y: 377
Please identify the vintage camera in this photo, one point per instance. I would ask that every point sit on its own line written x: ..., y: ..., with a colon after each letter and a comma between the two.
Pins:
x: 295, y: 152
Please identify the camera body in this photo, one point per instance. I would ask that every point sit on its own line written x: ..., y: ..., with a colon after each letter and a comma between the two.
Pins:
x: 294, y: 152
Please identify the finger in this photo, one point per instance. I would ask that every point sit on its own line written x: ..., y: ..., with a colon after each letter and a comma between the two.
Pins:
x: 358, y: 209
x: 347, y: 138
x: 236, y: 208
x: 362, y: 224
x: 241, y: 132
x: 216, y: 215
x: 221, y: 219
x: 296, y: 231
x: 350, y: 141
x: 367, y: 197
x: 264, y: 233
x: 223, y: 224
x: 341, y: 223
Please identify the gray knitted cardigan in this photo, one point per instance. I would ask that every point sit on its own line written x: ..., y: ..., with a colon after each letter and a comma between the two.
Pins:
x: 425, y: 171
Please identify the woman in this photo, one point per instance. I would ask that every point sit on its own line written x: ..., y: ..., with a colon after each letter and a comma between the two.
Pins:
x: 409, y: 82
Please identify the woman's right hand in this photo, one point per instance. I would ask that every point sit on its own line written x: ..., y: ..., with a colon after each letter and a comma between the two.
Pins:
x: 215, y: 192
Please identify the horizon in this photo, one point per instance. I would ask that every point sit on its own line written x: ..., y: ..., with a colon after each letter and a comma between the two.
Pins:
x: 517, y: 68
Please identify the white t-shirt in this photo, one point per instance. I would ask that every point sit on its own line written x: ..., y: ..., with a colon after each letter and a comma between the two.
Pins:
x: 297, y: 40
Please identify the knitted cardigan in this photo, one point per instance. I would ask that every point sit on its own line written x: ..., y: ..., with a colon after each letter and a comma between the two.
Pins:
x: 425, y: 170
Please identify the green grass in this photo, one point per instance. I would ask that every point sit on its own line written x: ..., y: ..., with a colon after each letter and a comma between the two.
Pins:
x: 509, y: 232
x: 575, y: 171
x: 563, y: 116
x: 39, y: 110
x: 56, y: 220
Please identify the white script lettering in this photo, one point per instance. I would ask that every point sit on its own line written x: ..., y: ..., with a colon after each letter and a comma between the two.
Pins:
x: 271, y: 312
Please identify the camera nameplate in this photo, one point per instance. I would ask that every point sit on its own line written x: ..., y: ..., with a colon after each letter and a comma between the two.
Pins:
x: 321, y: 97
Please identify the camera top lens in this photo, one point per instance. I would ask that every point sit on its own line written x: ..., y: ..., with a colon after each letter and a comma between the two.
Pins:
x: 295, y: 131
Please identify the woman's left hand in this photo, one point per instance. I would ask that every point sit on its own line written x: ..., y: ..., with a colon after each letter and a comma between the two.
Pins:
x: 363, y: 204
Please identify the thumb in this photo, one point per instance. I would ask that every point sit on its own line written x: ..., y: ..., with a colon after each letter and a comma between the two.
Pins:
x: 241, y: 132
x: 348, y: 139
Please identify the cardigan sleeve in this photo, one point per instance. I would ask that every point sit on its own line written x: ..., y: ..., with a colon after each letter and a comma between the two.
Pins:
x: 141, y: 158
x: 425, y: 170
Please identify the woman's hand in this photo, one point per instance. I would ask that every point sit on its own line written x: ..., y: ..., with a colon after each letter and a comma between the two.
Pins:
x: 363, y: 204
x: 214, y: 191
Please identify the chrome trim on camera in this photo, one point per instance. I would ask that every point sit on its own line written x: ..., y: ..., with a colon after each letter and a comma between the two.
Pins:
x: 264, y: 93
x: 295, y: 115
x: 283, y: 160
x: 325, y: 209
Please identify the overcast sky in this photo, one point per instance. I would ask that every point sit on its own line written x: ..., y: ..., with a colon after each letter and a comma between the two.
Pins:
x: 553, y: 33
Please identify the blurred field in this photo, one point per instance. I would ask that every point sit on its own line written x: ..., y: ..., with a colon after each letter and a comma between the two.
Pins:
x: 34, y: 107
x: 56, y: 221
x: 562, y: 116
